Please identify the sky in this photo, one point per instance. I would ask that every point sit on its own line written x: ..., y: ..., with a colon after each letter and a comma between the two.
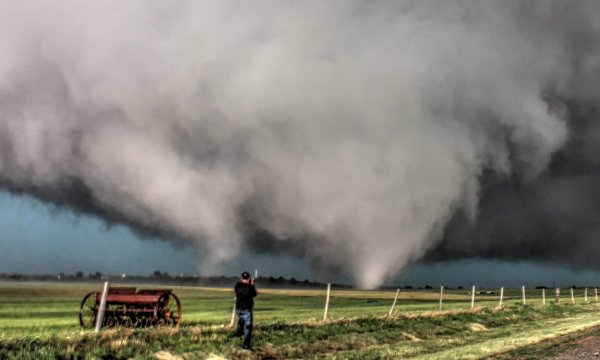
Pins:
x: 348, y: 139
x: 40, y: 239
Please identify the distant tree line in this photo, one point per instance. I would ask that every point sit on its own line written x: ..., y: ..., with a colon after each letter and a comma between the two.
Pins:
x: 196, y: 280
x: 166, y: 278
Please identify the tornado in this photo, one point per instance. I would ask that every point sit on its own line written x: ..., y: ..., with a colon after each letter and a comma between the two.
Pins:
x: 363, y: 136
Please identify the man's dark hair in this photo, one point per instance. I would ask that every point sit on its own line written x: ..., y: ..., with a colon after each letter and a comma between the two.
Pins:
x: 245, y: 275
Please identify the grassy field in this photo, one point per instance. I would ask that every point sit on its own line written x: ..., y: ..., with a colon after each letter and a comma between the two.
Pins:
x: 39, y: 321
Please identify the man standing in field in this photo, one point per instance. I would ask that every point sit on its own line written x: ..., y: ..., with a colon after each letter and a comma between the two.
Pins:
x: 245, y: 291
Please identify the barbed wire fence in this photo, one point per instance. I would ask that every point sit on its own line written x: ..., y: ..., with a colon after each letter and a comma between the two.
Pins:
x: 489, y: 298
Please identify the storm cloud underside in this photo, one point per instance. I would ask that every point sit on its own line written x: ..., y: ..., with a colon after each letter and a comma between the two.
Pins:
x: 362, y: 135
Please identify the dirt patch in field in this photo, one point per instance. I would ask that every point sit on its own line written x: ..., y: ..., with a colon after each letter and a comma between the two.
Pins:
x: 164, y: 355
x: 215, y: 357
x: 589, y: 341
x: 196, y: 330
x: 268, y: 353
x: 585, y: 348
x: 477, y: 327
x: 119, y: 343
x: 411, y: 337
x: 582, y: 345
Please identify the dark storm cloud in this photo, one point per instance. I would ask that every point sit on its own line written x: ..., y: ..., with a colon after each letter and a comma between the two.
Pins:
x: 352, y: 133
x: 552, y: 219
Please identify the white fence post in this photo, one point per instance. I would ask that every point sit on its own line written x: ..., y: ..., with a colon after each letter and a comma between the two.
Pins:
x: 523, y: 291
x: 557, y: 295
x: 327, y: 302
x: 100, y: 315
x: 572, y: 296
x: 441, y: 297
x: 232, y: 322
x: 501, y: 295
x: 394, y: 303
x: 596, y: 293
x: 472, y: 296
x: 544, y: 296
x: 585, y: 296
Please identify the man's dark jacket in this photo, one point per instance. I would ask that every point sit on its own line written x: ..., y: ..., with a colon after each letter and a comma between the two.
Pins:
x: 244, y: 296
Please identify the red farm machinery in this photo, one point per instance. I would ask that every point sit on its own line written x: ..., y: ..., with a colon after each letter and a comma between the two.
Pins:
x: 129, y: 306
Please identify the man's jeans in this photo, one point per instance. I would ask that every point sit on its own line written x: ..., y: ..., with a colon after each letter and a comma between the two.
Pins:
x: 244, y: 325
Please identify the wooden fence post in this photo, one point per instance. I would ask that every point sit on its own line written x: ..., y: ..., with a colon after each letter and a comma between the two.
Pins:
x: 100, y: 315
x: 327, y: 302
x: 472, y: 296
x: 232, y: 322
x: 394, y: 303
x: 501, y: 295
x: 441, y: 297
x: 544, y: 296
x: 572, y: 296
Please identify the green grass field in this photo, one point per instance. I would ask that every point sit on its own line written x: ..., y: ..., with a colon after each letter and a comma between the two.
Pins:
x: 39, y: 321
